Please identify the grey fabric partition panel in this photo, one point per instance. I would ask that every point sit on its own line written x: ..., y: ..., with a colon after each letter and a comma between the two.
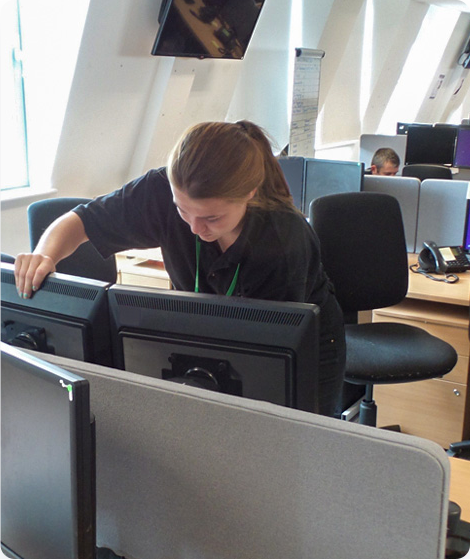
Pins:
x: 406, y: 191
x: 442, y: 209
x: 183, y: 473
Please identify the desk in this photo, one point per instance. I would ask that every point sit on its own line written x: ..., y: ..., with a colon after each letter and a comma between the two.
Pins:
x: 421, y: 287
x: 142, y: 267
x: 437, y: 409
x: 459, y: 490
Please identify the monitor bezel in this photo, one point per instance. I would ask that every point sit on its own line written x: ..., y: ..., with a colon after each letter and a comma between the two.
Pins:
x: 79, y: 451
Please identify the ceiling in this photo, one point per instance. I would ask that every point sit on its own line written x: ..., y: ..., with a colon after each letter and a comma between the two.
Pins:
x: 461, y: 5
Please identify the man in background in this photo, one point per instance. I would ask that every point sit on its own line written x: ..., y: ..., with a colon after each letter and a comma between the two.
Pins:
x: 384, y: 162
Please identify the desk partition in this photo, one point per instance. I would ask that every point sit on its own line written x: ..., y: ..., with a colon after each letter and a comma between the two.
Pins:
x: 442, y: 210
x: 187, y: 473
x: 406, y: 191
x: 434, y: 209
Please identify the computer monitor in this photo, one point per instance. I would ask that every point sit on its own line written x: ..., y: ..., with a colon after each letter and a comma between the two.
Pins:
x: 402, y: 127
x: 324, y: 176
x: 466, y: 231
x: 67, y: 316
x: 47, y: 461
x: 462, y: 148
x: 209, y: 29
x: 263, y: 350
x: 430, y: 145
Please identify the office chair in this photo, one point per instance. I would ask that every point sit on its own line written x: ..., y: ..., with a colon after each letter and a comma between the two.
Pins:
x: 422, y: 172
x: 86, y: 261
x: 364, y: 253
x: 8, y: 258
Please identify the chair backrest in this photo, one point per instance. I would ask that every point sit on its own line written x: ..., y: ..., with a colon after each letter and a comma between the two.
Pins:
x: 363, y: 248
x: 86, y: 261
x: 8, y: 258
x: 423, y: 172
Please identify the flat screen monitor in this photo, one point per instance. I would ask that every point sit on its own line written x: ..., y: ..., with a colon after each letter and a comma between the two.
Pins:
x: 462, y: 148
x: 206, y: 28
x: 263, y: 350
x: 430, y: 145
x: 47, y: 462
x: 402, y: 127
x: 67, y: 316
x: 466, y: 232
x: 324, y: 176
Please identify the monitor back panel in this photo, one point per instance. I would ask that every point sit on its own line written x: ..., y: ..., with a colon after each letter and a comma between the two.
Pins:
x: 442, y: 210
x: 183, y: 472
x: 406, y: 191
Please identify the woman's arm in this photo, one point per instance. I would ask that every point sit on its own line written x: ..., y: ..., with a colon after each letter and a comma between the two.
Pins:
x: 58, y: 241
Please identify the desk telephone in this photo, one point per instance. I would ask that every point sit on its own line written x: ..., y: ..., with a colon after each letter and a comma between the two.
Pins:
x: 443, y: 260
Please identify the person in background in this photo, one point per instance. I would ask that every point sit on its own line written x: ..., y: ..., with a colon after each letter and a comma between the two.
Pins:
x: 385, y: 161
x: 223, y: 215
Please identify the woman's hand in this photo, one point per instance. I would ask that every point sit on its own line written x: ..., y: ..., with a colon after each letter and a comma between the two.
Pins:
x: 59, y: 240
x: 30, y: 271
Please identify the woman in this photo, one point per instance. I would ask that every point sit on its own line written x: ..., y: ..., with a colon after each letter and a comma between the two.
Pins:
x: 224, y: 218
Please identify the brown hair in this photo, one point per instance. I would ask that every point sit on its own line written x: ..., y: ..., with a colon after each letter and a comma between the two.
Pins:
x: 229, y: 160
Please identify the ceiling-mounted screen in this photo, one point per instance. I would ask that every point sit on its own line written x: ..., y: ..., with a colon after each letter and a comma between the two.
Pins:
x: 206, y: 28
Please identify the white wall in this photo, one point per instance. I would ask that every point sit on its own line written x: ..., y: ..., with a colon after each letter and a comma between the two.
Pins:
x: 126, y: 107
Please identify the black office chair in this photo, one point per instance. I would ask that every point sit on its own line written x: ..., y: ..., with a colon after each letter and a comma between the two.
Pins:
x: 364, y: 254
x: 422, y: 172
x: 86, y: 261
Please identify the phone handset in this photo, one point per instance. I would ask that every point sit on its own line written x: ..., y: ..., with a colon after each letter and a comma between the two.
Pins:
x: 431, y: 259
x: 447, y: 260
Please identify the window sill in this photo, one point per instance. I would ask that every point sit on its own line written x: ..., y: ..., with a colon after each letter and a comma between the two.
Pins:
x: 22, y: 196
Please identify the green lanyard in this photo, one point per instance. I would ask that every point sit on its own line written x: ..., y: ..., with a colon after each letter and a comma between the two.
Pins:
x: 231, y: 289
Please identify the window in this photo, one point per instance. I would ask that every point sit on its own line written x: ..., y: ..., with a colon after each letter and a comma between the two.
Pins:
x: 13, y: 144
x: 419, y: 68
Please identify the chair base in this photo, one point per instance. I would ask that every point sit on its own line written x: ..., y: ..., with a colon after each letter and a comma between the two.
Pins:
x: 368, y: 412
x: 364, y: 411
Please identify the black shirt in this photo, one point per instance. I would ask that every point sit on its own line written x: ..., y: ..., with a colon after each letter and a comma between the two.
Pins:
x: 278, y: 251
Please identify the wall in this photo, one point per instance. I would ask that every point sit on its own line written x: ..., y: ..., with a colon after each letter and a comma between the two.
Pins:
x: 126, y: 107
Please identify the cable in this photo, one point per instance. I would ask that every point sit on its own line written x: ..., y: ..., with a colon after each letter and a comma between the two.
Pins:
x: 448, y: 278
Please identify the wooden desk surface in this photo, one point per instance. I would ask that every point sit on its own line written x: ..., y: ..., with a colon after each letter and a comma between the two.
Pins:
x: 421, y: 287
x: 459, y: 490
